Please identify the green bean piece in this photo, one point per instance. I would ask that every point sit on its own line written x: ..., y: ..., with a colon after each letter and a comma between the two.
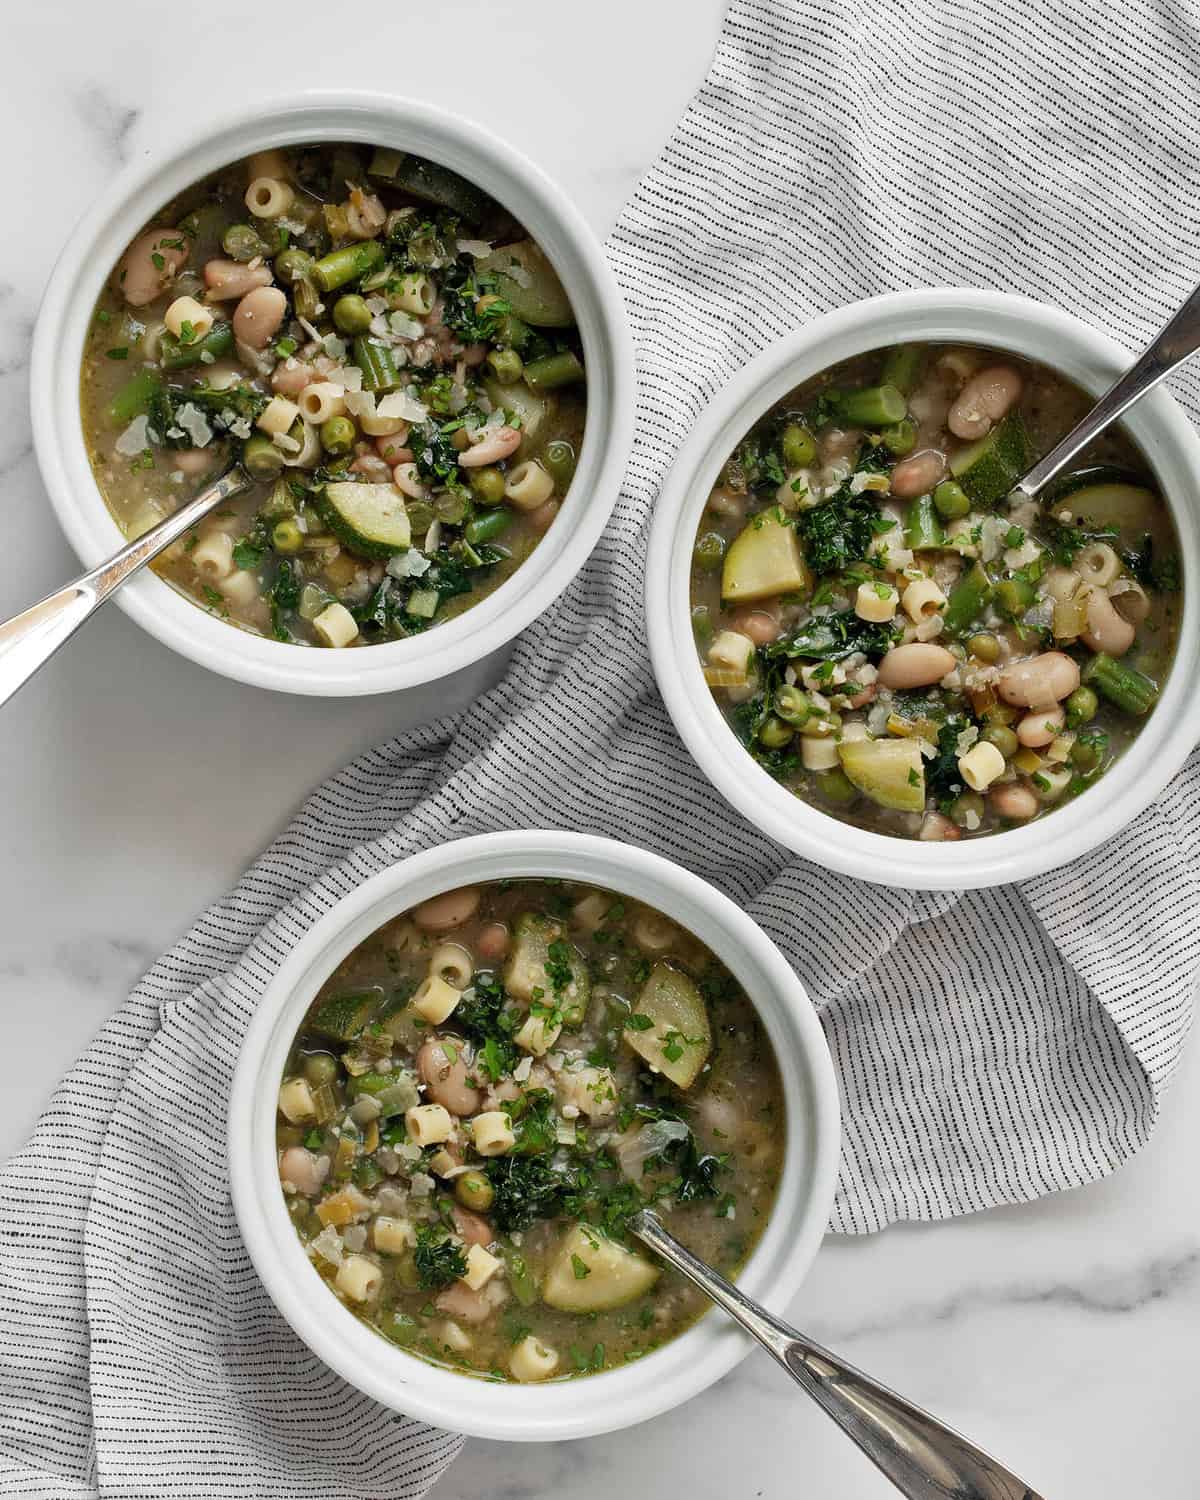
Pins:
x: 261, y: 459
x: 487, y: 485
x: 874, y: 406
x: 218, y: 341
x: 338, y: 435
x: 951, y: 500
x: 347, y: 264
x: 351, y: 314
x: 241, y: 243
x: 474, y: 1191
x: 709, y: 551
x: 422, y: 604
x: 451, y: 508
x: 559, y: 461
x: 922, y: 528
x: 135, y: 397
x: 792, y: 705
x: 305, y: 298
x: 1081, y: 707
x: 702, y: 626
x: 1014, y: 596
x: 279, y: 503
x: 774, y: 733
x: 1130, y: 690
x: 964, y: 807
x: 1085, y: 756
x: 968, y: 600
x: 900, y: 439
x: 902, y: 366
x: 512, y: 332
x: 375, y: 361
x: 520, y: 1278
x: 286, y: 536
x: 294, y: 265
x: 835, y: 786
x: 487, y: 527
x: 984, y: 645
x: 320, y: 1068
x: 553, y: 371
x: 798, y: 445
x: 506, y: 365
x: 1004, y: 739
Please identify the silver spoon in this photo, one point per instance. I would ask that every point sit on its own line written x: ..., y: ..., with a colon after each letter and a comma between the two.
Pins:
x: 30, y: 639
x: 922, y: 1457
x: 1176, y: 342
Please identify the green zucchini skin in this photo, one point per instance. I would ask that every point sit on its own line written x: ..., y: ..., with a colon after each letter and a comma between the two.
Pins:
x: 368, y: 524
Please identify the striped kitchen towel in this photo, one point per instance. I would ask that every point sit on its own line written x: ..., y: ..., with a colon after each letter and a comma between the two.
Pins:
x: 991, y: 1047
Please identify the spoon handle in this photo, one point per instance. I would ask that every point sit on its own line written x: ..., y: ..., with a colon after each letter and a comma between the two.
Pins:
x: 30, y: 639
x: 923, y: 1458
x: 1174, y: 343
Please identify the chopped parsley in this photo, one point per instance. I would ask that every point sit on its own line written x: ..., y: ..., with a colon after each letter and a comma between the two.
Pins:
x: 438, y: 1259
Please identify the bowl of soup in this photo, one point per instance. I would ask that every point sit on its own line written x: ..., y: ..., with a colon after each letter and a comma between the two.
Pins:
x: 467, y: 1076
x: 400, y: 332
x: 882, y: 655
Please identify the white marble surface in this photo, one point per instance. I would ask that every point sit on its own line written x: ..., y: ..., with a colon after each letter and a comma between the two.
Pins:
x: 136, y: 786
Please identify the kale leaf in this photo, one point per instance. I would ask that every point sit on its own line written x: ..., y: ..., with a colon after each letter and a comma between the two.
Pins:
x: 438, y: 1260
x: 840, y: 530
x: 525, y: 1188
x: 833, y: 637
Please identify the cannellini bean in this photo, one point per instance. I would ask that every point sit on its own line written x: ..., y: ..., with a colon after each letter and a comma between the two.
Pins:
x: 257, y: 317
x: 302, y: 1170
x: 150, y: 264
x: 290, y: 377
x: 407, y: 479
x: 542, y: 518
x: 393, y: 446
x: 227, y: 279
x: 918, y: 664
x: 1048, y: 678
x: 1106, y: 629
x: 837, y: 442
x: 761, y: 627
x: 1040, y: 726
x: 449, y: 910
x: 373, y: 467
x: 1013, y: 800
x: 918, y: 474
x: 472, y: 1227
x: 868, y: 695
x: 459, y: 1301
x: 493, y: 942
x: 1060, y: 583
x: 446, y: 1081
x: 938, y: 829
x: 499, y: 444
x: 195, y: 460
x: 984, y: 399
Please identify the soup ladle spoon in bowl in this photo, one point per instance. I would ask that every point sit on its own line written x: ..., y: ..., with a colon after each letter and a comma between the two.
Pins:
x: 30, y: 639
x: 924, y: 1459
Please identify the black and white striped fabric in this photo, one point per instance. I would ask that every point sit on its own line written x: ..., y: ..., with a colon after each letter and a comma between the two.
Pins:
x: 991, y: 1048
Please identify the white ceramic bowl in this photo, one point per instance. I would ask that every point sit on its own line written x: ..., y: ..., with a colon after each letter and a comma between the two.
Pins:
x: 1055, y: 338
x: 571, y: 1408
x: 140, y: 192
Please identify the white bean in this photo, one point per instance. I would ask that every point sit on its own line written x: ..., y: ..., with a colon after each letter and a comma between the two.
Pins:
x: 258, y: 316
x: 918, y: 474
x: 1106, y: 629
x: 984, y: 399
x: 1040, y: 726
x: 449, y: 910
x: 150, y: 264
x: 500, y: 443
x: 918, y: 664
x: 1048, y: 678
x: 227, y: 279
x: 1013, y: 800
x: 445, y: 1081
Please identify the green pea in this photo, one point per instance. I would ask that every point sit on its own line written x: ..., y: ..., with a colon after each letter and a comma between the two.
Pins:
x: 242, y: 244
x: 709, y: 550
x: 261, y: 459
x: 506, y: 365
x: 799, y: 446
x: 351, y: 314
x: 792, y: 705
x: 474, y: 1191
x: 559, y: 459
x: 966, y: 809
x: 900, y: 439
x: 951, y: 500
x: 450, y: 508
x: 1081, y: 707
x: 1085, y: 755
x: 286, y: 536
x: 984, y: 645
x: 320, y: 1068
x: 774, y: 733
x: 1004, y: 739
x: 487, y: 485
x: 293, y: 265
x: 338, y: 434
x: 512, y: 332
x: 835, y: 786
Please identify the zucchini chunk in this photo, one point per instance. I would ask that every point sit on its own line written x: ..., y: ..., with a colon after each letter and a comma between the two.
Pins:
x: 764, y: 560
x: 530, y: 408
x: 525, y: 972
x: 591, y: 1273
x: 989, y: 468
x: 890, y: 772
x: 369, y: 519
x: 530, y: 285
x: 432, y: 183
x: 342, y: 1017
x: 1124, y: 507
x: 678, y: 1039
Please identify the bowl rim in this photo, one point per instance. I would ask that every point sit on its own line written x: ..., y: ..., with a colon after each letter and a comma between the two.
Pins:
x: 187, y: 155
x: 1000, y: 320
x: 571, y: 1408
